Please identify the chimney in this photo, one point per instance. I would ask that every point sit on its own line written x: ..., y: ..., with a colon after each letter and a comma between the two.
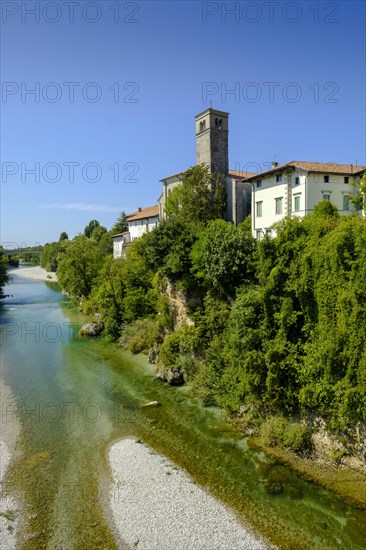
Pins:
x: 140, y: 208
x: 274, y: 164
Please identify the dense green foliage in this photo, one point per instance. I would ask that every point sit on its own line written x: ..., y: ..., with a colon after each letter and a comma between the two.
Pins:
x: 50, y: 253
x: 279, y: 326
x: 78, y: 265
x: 3, y: 275
x: 200, y: 197
x: 121, y: 224
x: 359, y: 200
x: 223, y: 256
x: 281, y: 323
x: 92, y: 225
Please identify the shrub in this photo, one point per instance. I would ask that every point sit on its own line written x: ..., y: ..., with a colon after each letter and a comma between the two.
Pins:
x: 140, y: 335
x: 276, y: 430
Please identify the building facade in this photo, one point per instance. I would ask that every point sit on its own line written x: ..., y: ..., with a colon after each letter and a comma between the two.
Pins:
x: 294, y: 188
x: 212, y: 149
x: 139, y: 222
x: 287, y: 190
x: 120, y: 242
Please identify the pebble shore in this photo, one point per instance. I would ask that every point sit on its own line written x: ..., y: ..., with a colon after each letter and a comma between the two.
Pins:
x: 157, y: 506
x: 36, y: 273
x: 9, y: 514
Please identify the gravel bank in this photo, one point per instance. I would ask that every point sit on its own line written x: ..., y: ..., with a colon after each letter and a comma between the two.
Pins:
x: 157, y: 506
x: 9, y: 433
x: 37, y: 273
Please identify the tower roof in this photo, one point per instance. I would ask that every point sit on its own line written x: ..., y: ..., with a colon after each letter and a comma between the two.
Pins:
x: 212, y: 111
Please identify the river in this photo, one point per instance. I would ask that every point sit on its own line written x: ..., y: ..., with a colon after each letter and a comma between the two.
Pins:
x: 74, y: 397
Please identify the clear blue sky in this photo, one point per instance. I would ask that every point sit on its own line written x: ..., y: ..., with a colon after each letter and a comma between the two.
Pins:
x: 168, y: 51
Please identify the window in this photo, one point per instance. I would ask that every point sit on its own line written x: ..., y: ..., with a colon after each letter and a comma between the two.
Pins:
x: 346, y: 179
x: 259, y: 209
x: 279, y: 205
x: 297, y: 180
x: 202, y: 125
x: 258, y: 234
x: 259, y: 184
x: 326, y: 179
x: 269, y: 232
x: 326, y: 197
x: 279, y: 177
x: 345, y: 202
x: 297, y: 203
x: 218, y: 123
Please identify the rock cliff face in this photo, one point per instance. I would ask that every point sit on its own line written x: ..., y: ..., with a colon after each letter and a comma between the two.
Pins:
x: 349, y: 448
x: 179, y: 303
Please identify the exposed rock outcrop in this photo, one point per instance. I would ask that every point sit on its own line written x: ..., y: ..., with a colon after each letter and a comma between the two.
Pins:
x: 172, y: 375
x: 91, y: 329
x: 179, y: 303
x: 153, y: 354
x: 348, y: 448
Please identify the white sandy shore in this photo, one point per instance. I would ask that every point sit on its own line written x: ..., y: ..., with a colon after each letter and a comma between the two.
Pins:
x: 157, y: 506
x: 9, y: 433
x: 34, y: 273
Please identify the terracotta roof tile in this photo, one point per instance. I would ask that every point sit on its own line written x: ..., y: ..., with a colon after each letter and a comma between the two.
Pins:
x: 330, y: 168
x: 175, y: 175
x: 233, y: 173
x: 148, y: 212
x: 120, y: 234
x: 240, y: 175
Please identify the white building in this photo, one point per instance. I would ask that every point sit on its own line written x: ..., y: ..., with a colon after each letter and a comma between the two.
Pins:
x: 120, y: 242
x: 294, y: 188
x: 140, y: 222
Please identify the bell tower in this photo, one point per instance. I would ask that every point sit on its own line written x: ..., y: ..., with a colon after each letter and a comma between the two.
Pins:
x: 212, y: 140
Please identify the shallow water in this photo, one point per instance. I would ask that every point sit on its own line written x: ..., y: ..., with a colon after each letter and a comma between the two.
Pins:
x: 74, y: 397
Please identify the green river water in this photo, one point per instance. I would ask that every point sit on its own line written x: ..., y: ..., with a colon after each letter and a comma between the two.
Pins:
x: 75, y: 397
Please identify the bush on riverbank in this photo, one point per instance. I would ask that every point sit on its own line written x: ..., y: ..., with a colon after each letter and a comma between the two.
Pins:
x: 4, y: 278
x: 140, y: 335
x: 277, y: 430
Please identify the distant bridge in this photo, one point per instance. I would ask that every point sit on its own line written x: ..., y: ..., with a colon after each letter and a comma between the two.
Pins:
x: 21, y: 252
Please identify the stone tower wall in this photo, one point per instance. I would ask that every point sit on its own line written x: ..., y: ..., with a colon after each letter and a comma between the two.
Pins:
x: 212, y: 142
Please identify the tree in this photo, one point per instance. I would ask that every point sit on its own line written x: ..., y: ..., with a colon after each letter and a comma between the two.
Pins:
x: 4, y: 278
x: 90, y: 227
x: 199, y: 198
x: 140, y: 296
x: 98, y: 233
x: 79, y: 267
x: 108, y: 295
x: 223, y: 256
x: 359, y: 200
x: 105, y: 243
x: 121, y: 224
x: 64, y: 236
x: 50, y: 254
x: 168, y: 247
